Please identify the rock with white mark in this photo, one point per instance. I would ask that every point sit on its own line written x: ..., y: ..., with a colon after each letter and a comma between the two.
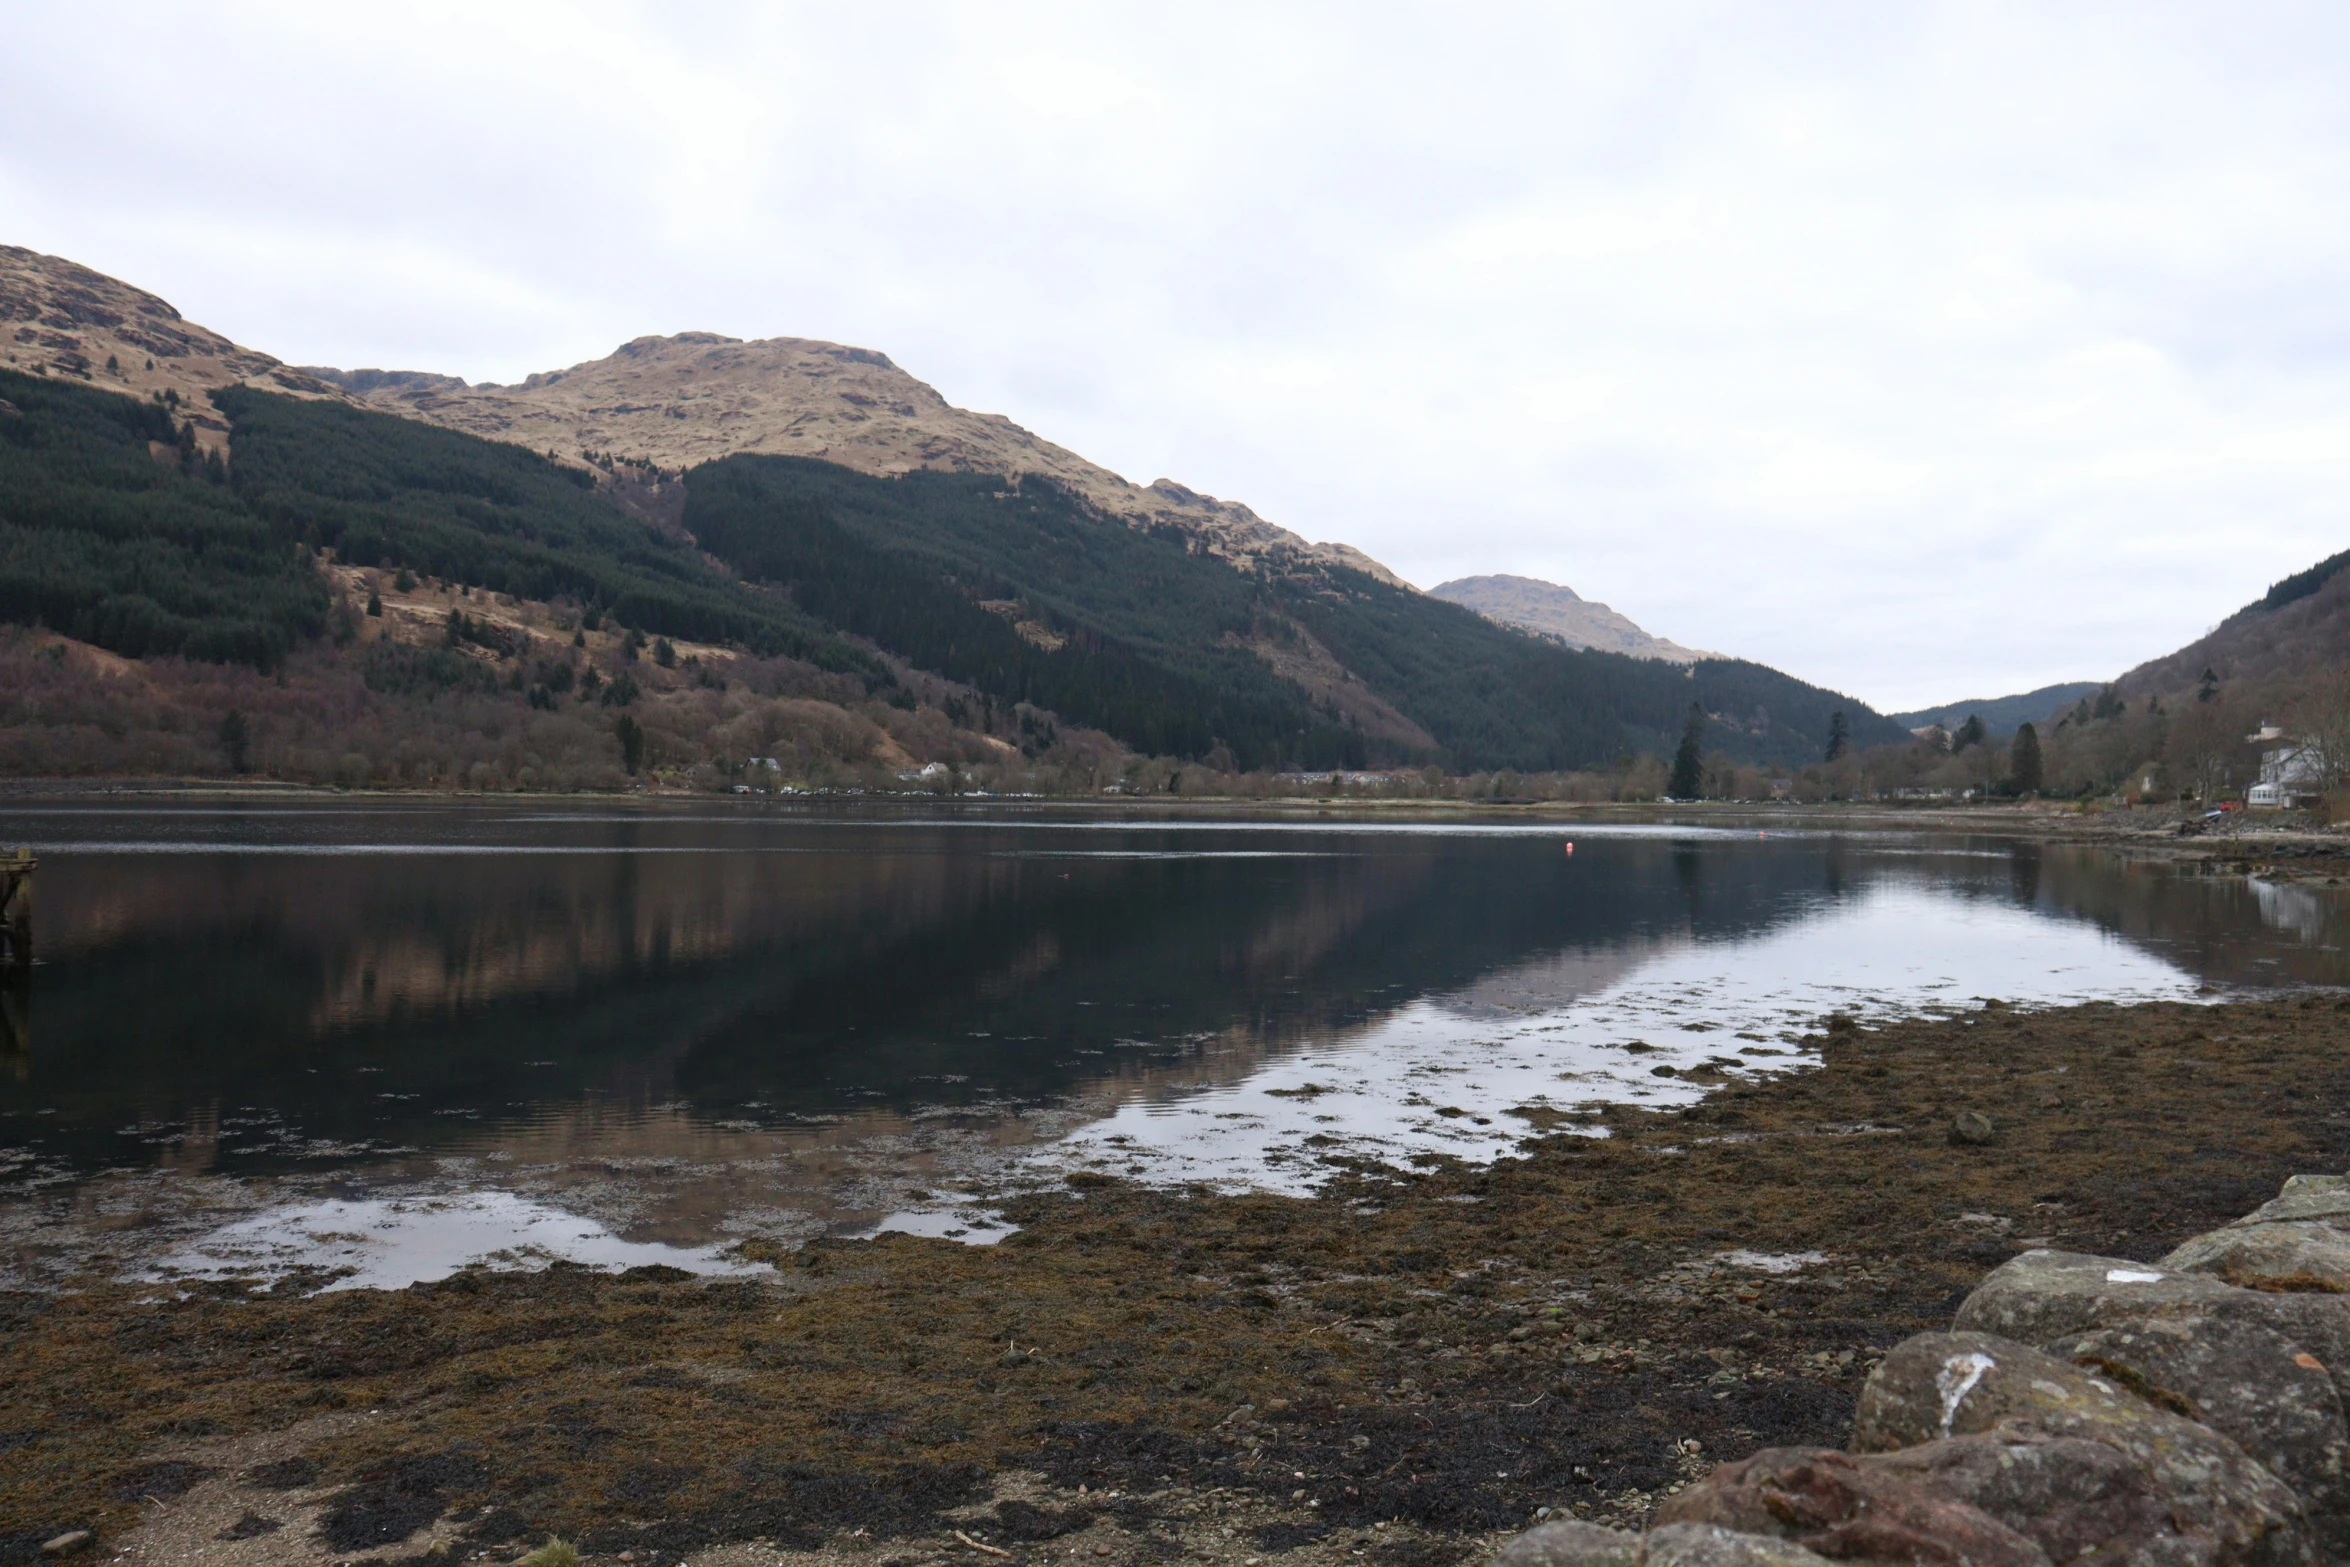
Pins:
x: 2042, y: 1296
x: 2223, y: 1506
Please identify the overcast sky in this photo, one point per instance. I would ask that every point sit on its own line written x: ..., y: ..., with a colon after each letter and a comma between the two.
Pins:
x: 1925, y: 352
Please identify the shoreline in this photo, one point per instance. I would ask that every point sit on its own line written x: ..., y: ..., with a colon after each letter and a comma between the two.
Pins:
x: 2271, y: 847
x: 1427, y: 1358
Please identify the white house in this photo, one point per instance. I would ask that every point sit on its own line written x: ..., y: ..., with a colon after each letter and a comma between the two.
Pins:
x: 2289, y: 774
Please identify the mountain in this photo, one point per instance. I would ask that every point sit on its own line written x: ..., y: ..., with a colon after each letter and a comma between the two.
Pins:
x: 2300, y: 625
x: 676, y: 402
x: 2002, y: 714
x: 948, y: 582
x: 1549, y: 610
x: 58, y: 316
x: 670, y: 402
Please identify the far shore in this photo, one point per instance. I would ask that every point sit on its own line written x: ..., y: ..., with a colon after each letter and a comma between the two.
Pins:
x: 2289, y: 843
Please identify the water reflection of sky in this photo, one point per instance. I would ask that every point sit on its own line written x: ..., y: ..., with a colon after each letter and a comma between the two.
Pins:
x: 1443, y: 1075
x: 573, y: 1032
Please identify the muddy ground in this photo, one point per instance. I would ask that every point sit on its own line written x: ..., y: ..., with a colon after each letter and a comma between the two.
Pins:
x: 1396, y: 1373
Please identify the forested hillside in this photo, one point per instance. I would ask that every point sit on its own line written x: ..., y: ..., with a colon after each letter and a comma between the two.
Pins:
x: 2002, y: 714
x: 1153, y: 638
x: 378, y: 489
x: 112, y: 531
x: 2298, y: 627
x: 1104, y: 624
x: 1021, y: 604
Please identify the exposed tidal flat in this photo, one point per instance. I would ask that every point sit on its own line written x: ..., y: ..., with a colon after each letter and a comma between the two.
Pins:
x: 1339, y: 1205
x: 1427, y: 1358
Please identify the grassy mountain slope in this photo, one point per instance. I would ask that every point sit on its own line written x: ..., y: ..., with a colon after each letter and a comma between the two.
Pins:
x: 682, y: 401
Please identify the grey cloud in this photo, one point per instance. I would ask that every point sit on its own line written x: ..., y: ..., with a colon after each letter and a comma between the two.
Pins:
x: 1864, y: 340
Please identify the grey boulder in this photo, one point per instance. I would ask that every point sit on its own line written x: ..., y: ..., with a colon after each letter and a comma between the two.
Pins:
x: 2042, y: 1296
x: 1570, y: 1543
x: 2305, y: 1197
x: 2076, y: 1499
x: 2252, y: 1385
x: 2299, y: 1240
x: 1710, y: 1545
x: 2288, y: 1254
x: 1973, y: 1129
x: 2223, y: 1506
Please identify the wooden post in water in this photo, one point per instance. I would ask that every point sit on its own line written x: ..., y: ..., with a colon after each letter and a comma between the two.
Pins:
x: 16, y: 914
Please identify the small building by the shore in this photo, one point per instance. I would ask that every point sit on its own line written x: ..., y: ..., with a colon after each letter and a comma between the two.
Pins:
x: 2290, y: 774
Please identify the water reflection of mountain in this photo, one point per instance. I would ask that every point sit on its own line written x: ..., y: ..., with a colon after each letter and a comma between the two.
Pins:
x: 394, y: 996
x: 1556, y: 979
x: 811, y: 969
x: 2222, y: 929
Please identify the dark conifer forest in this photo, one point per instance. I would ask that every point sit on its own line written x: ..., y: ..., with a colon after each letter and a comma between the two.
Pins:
x: 1156, y: 630
x: 113, y: 533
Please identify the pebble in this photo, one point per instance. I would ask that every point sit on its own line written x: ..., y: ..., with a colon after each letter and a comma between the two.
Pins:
x: 71, y: 1540
x: 1972, y: 1129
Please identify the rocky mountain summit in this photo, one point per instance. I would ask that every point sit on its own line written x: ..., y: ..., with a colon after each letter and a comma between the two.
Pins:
x: 2082, y: 1409
x: 672, y: 402
x: 697, y: 396
x: 1560, y: 613
x: 58, y: 317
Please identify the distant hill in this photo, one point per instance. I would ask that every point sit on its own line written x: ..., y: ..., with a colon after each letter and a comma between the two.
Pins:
x: 2301, y: 624
x: 919, y: 558
x: 1549, y: 610
x: 2003, y: 714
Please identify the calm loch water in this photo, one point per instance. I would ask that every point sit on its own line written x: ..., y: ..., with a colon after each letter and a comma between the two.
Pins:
x: 428, y: 1032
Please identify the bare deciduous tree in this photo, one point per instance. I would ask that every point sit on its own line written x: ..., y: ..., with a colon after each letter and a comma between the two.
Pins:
x: 2206, y: 747
x: 2320, y: 725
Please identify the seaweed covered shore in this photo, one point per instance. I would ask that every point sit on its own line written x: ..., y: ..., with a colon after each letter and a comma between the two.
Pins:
x: 1402, y: 1370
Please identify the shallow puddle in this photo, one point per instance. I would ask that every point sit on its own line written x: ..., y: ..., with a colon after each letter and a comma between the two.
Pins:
x: 393, y: 1242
